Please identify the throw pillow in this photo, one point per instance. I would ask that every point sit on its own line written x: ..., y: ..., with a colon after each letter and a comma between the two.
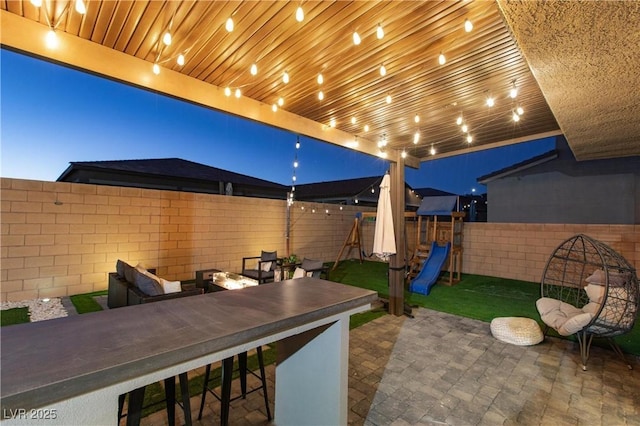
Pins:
x: 266, y: 266
x: 595, y: 292
x: 147, y: 284
x: 298, y: 273
x: 575, y: 324
x: 170, y: 286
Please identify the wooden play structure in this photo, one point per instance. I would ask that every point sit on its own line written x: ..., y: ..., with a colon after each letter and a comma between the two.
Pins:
x: 353, y: 240
x: 430, y: 229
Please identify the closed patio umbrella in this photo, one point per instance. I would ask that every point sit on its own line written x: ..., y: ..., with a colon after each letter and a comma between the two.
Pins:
x: 384, y: 239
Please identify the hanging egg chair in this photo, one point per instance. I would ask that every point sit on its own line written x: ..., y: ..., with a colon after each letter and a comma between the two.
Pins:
x: 589, y: 290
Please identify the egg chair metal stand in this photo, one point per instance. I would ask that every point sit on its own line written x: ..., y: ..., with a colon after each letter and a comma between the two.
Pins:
x: 578, y: 267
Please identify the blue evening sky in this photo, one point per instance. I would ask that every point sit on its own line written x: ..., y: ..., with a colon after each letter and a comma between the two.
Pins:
x: 52, y: 115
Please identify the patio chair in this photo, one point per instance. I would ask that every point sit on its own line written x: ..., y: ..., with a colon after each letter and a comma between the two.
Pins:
x: 591, y: 291
x: 265, y: 266
x: 311, y: 268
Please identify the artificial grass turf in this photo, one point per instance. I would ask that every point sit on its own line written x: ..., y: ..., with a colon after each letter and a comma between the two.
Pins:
x: 14, y: 316
x: 475, y: 296
x: 86, y: 303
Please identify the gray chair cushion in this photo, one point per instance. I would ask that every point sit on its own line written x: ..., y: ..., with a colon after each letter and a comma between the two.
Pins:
x: 147, y: 285
x: 313, y: 266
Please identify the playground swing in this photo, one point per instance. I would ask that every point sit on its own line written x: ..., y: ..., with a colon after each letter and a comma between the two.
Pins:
x: 436, y: 242
x: 589, y: 290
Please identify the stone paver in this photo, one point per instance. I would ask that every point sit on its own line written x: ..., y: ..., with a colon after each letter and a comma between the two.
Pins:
x: 440, y: 369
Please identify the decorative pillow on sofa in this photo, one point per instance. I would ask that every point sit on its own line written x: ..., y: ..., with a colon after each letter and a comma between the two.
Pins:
x: 125, y: 271
x: 147, y: 283
x: 170, y: 286
x: 298, y: 273
x: 266, y: 266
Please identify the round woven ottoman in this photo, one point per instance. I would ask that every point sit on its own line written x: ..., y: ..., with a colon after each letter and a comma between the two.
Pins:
x: 517, y: 331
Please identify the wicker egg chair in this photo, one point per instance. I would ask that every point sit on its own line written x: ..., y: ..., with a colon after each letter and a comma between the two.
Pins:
x: 591, y: 291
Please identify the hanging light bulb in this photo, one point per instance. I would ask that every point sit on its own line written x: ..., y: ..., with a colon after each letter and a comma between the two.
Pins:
x: 280, y: 101
x: 468, y: 25
x: 519, y: 110
x: 383, y: 70
x: 180, y: 59
x: 52, y: 42
x: 366, y: 127
x: 388, y: 99
x: 416, y: 138
x: 459, y: 120
x: 416, y: 118
x: 297, y: 143
x: 238, y: 93
x: 80, y: 7
x: 513, y: 93
x: 332, y: 122
x: 156, y: 69
x: 469, y: 138
x: 464, y: 128
x: 320, y: 79
x: 254, y: 69
x: 274, y: 107
x: 295, y: 164
x: 432, y: 151
x: 285, y: 77
x: 229, y: 24
x: 356, y: 38
x: 490, y: 101
x: 441, y: 59
x: 227, y: 91
x: 321, y: 95
x: 166, y: 38
x: 403, y: 154
x: 379, y: 32
x: 353, y: 120
x: 515, y: 116
x: 299, y: 14
x: 36, y: 3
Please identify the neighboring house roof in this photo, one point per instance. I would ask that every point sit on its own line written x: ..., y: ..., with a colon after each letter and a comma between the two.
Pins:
x: 170, y: 174
x: 365, y: 190
x: 431, y: 192
x: 518, y: 167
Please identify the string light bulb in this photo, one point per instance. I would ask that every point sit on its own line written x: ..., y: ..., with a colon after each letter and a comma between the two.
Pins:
x: 229, y: 24
x: 353, y: 120
x: 468, y: 25
x: 180, y: 59
x: 52, y: 42
x: 464, y: 128
x: 238, y: 93
x: 519, y: 110
x: 321, y: 95
x: 490, y: 101
x: 459, y: 120
x: 36, y: 3
x: 416, y: 138
x: 227, y: 91
x: 299, y: 14
x: 356, y: 38
x: 469, y: 138
x: 513, y: 93
x: 332, y: 122
x: 80, y: 7
x: 285, y: 77
x: 280, y: 101
x: 388, y: 99
x: 156, y: 69
x: 320, y: 79
x: 515, y: 116
x: 254, y: 69
x: 379, y: 32
x: 274, y: 107
x: 366, y: 128
x: 441, y: 59
x: 403, y: 154
x: 432, y: 151
x: 166, y: 38
x: 416, y: 118
x: 383, y: 70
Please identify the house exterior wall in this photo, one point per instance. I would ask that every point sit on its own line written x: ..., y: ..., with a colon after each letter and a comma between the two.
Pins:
x: 564, y: 190
x: 61, y: 238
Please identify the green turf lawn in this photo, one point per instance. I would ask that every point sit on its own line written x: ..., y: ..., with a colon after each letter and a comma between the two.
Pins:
x: 14, y: 316
x: 475, y: 296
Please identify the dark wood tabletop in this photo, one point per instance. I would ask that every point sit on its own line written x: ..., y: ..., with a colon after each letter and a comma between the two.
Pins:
x: 49, y: 361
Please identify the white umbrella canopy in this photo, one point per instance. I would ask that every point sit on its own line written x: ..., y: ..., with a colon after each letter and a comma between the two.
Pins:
x: 384, y: 238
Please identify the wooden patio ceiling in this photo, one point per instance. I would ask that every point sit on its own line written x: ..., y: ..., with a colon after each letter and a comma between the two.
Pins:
x: 123, y: 40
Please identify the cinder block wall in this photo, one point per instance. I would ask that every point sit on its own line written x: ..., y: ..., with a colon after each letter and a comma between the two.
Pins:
x: 521, y: 251
x: 63, y: 239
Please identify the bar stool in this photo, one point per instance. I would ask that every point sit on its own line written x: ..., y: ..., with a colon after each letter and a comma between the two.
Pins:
x: 136, y: 397
x: 226, y: 376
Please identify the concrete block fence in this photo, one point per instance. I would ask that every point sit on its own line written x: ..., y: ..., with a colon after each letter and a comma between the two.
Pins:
x: 62, y: 238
